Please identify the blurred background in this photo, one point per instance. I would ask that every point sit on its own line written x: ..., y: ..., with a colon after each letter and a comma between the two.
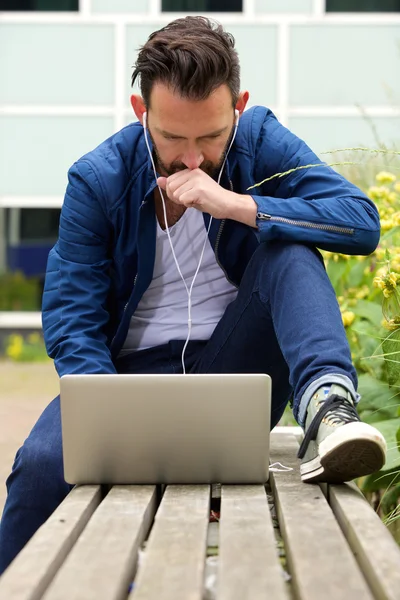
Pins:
x: 329, y: 69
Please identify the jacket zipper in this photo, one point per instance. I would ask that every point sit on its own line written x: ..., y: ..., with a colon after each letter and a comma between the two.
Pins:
x: 307, y: 224
x: 125, y: 307
x: 217, y: 245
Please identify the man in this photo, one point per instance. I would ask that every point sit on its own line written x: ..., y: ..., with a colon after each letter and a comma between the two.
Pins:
x: 116, y: 295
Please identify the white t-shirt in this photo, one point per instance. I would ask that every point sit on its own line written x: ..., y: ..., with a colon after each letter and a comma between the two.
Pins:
x: 162, y: 313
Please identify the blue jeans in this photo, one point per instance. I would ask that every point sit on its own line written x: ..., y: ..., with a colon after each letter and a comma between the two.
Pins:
x: 285, y: 322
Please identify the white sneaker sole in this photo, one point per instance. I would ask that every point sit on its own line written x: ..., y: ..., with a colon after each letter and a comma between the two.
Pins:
x: 353, y: 450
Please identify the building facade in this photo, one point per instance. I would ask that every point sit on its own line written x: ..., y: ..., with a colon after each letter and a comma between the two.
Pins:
x: 330, y: 70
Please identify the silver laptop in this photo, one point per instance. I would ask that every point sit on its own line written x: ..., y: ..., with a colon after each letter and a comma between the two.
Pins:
x: 148, y: 429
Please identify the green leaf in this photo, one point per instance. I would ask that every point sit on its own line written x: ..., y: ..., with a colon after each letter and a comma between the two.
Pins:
x: 336, y: 271
x: 356, y: 273
x: 391, y: 349
x: 378, y: 402
x: 389, y: 499
x: 398, y: 438
x: 379, y: 481
x: 390, y: 474
x: 389, y: 431
x: 369, y: 310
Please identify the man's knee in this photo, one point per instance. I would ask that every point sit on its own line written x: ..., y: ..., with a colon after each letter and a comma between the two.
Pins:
x: 287, y: 251
x: 39, y: 465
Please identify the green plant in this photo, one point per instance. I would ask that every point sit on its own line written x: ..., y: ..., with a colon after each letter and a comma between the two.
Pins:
x: 29, y: 349
x: 19, y: 292
x: 367, y: 287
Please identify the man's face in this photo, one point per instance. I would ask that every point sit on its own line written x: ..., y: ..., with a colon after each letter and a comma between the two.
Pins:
x: 189, y: 134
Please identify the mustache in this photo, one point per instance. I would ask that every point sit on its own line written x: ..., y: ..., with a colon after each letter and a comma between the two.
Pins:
x: 207, y: 166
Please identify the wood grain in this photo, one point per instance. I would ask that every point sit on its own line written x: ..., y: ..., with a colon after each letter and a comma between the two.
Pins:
x: 102, y: 564
x: 249, y: 567
x: 373, y: 545
x: 319, y: 558
x: 173, y: 565
x: 31, y: 572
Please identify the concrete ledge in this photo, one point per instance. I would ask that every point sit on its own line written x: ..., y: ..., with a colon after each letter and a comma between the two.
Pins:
x: 20, y: 320
x: 297, y: 431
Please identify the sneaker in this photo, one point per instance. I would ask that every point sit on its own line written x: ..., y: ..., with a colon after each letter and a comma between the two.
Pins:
x: 337, y: 445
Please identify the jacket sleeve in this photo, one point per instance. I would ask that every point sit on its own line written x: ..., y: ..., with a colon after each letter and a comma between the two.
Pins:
x: 314, y: 205
x: 74, y: 312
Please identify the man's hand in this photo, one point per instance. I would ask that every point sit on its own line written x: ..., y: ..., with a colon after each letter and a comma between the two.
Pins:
x: 195, y: 189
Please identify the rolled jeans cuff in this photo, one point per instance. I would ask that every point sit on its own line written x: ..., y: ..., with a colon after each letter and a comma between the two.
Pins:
x: 329, y: 378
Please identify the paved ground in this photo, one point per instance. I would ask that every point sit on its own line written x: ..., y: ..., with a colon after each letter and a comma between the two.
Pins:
x: 25, y: 390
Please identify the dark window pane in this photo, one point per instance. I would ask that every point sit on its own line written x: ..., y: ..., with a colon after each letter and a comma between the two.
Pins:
x: 363, y: 5
x: 22, y: 5
x: 202, y: 6
x: 39, y: 224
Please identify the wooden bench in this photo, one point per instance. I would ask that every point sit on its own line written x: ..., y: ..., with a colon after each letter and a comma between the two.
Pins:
x: 285, y: 540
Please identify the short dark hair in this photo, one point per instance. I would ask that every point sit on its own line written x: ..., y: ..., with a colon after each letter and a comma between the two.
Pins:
x: 192, y: 55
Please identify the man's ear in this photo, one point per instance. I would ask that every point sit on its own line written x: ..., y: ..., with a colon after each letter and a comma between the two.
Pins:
x: 138, y: 106
x: 242, y: 101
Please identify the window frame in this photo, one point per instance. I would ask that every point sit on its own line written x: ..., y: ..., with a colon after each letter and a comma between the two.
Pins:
x: 41, y: 12
x: 360, y: 12
x: 242, y: 11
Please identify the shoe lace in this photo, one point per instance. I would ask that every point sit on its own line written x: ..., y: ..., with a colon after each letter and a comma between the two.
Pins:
x: 335, y: 410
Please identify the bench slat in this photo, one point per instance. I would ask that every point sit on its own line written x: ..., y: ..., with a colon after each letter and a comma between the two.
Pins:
x: 249, y: 566
x: 320, y: 561
x: 375, y: 548
x: 34, y: 568
x: 103, y: 561
x: 174, y: 560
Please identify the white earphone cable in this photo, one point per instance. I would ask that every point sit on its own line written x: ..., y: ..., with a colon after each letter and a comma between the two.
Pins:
x: 188, y: 290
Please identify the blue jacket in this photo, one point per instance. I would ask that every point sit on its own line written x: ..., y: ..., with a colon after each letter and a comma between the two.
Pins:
x: 103, y: 260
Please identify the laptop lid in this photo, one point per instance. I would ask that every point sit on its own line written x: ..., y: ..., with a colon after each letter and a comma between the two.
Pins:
x: 147, y: 429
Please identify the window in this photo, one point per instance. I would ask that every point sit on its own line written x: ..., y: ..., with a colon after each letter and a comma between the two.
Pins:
x: 363, y: 5
x: 49, y: 5
x: 39, y: 225
x: 201, y: 6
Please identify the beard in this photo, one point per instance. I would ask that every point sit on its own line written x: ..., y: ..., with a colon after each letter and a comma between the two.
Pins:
x: 208, y: 166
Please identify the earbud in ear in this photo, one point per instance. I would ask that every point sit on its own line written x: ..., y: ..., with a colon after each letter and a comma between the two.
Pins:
x: 237, y: 116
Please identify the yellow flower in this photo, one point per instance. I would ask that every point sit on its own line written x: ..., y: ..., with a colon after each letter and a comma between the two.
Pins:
x: 385, y: 177
x: 348, y: 317
x: 379, y: 253
x: 379, y: 282
x: 392, y: 324
x: 381, y: 272
x: 387, y: 224
x: 387, y: 292
x: 362, y: 292
x: 396, y: 264
x: 393, y: 278
x: 15, y: 347
x: 397, y: 187
x: 378, y: 193
x: 396, y: 219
